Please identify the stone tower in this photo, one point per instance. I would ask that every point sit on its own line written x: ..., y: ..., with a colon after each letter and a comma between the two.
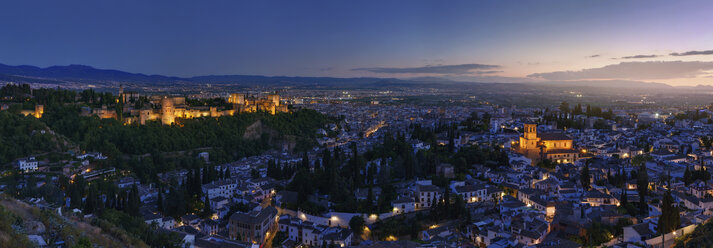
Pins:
x: 274, y: 99
x: 237, y: 98
x: 39, y: 110
x: 530, y: 131
x: 167, y: 111
x: 144, y: 115
x: 529, y: 138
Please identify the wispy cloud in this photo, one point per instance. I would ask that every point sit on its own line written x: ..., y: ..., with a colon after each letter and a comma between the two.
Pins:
x: 641, y: 56
x: 486, y: 72
x: 435, y: 69
x: 689, y: 53
x: 593, y: 56
x: 633, y: 70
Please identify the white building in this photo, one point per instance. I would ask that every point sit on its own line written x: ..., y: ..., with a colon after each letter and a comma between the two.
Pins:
x: 224, y: 188
x: 28, y: 164
x: 426, y: 195
x: 403, y: 205
x: 308, y: 233
x: 472, y: 193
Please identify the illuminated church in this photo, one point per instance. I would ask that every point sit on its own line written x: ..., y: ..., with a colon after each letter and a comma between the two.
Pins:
x: 554, y: 146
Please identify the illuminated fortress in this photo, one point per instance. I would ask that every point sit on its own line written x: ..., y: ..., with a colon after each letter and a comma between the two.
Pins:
x: 167, y: 109
x: 37, y: 113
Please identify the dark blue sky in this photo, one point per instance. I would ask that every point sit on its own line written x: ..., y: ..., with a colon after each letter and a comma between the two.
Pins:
x: 501, y: 40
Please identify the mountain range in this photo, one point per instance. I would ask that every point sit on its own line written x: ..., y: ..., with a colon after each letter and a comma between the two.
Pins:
x: 87, y: 74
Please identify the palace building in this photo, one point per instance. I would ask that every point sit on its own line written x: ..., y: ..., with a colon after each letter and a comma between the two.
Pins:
x: 167, y: 109
x: 270, y: 104
x: 555, y: 146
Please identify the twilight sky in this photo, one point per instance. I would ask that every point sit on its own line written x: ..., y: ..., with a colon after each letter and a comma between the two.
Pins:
x: 493, y: 41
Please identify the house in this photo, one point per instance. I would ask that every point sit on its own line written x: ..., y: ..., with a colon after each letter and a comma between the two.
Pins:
x: 126, y: 182
x: 403, y: 205
x: 529, y: 231
x: 311, y: 234
x: 94, y: 155
x: 187, y: 234
x: 252, y: 226
x: 446, y: 170
x: 218, y: 241
x: 597, y: 198
x: 205, y: 156
x: 225, y: 188
x: 533, y: 198
x: 638, y: 233
x: 510, y: 204
x: 443, y: 231
x: 701, y: 189
x: 27, y: 164
x: 152, y: 218
x: 337, y: 236
x: 555, y: 242
x: 168, y: 223
x: 209, y: 227
x: 218, y: 203
x: 191, y: 220
x: 427, y: 195
x: 472, y: 193
x: 307, y: 233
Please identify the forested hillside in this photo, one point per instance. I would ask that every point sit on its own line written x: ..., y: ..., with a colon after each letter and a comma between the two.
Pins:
x: 21, y: 136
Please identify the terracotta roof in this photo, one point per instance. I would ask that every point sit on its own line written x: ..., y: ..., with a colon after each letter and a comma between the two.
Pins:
x: 553, y: 136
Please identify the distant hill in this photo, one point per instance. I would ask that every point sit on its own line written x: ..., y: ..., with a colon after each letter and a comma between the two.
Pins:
x: 285, y: 80
x: 83, y: 73
x: 608, y: 84
x: 80, y: 73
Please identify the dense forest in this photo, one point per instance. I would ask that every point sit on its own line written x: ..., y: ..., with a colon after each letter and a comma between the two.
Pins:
x: 22, y: 136
x: 144, y: 149
x: 225, y: 133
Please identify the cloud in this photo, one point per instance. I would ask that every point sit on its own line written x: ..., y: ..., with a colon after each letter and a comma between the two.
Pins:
x: 633, y: 70
x: 640, y: 56
x: 594, y: 56
x: 487, y: 72
x: 489, y: 79
x: 436, y: 69
x: 689, y: 53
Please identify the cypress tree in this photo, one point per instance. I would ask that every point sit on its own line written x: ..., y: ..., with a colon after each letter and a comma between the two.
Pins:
x: 206, y: 208
x: 642, y: 181
x: 90, y: 203
x: 159, y: 202
x: 134, y: 201
x: 624, y: 199
x: 206, y: 177
x: 197, y: 181
x: 305, y: 161
x: 670, y: 217
x: 584, y: 177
